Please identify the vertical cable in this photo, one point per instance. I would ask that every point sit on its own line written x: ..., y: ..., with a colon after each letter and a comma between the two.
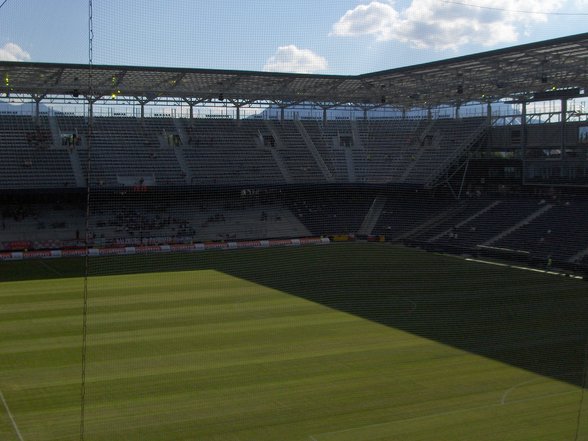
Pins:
x: 90, y: 98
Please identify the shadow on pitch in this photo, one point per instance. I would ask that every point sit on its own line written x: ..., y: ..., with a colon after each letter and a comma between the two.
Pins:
x: 535, y: 322
x: 532, y: 321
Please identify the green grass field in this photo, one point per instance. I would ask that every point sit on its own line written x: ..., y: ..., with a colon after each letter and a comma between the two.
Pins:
x: 348, y: 342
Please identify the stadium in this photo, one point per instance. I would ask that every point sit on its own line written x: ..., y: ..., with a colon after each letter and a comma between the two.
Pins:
x: 214, y: 254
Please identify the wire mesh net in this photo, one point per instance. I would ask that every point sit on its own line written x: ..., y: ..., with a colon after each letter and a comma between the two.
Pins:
x: 186, y: 270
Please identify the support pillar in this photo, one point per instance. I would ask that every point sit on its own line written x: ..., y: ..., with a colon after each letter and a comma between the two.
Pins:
x: 37, y: 112
x: 91, y: 100
x: 282, y: 113
x: 238, y: 114
x: 524, y: 128
x: 564, y: 115
x: 429, y: 113
x: 324, y: 115
x: 489, y: 113
x: 489, y: 123
x: 142, y: 102
x: 365, y: 114
x: 457, y: 107
x: 191, y: 103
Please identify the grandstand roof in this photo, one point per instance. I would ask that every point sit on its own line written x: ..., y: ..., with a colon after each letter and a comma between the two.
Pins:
x: 517, y: 72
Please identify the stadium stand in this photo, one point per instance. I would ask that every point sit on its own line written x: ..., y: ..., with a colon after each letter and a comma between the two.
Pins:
x: 406, y: 210
x: 330, y: 212
x: 29, y: 157
x: 134, y: 219
x: 128, y: 151
x: 326, y: 138
x: 222, y: 152
x: 134, y: 154
x: 432, y: 179
x: 560, y: 232
x: 502, y: 214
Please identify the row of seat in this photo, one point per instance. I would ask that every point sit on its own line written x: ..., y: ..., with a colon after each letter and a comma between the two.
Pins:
x: 552, y: 228
x: 232, y: 152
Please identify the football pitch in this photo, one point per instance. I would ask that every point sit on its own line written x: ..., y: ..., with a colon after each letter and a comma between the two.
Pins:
x: 349, y: 342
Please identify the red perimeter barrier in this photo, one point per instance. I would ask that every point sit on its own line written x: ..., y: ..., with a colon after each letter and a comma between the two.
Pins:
x: 147, y: 249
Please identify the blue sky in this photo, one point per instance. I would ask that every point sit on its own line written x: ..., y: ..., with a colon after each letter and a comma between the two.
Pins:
x: 315, y: 36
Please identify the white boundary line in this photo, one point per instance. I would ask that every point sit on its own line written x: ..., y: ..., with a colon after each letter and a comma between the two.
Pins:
x: 11, y: 417
x: 525, y: 268
x: 506, y: 393
x: 439, y: 414
x: 510, y: 389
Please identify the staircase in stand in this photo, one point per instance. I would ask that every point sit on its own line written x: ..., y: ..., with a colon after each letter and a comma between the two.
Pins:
x: 188, y: 175
x: 76, y: 165
x: 55, y: 131
x: 469, y: 219
x: 525, y: 221
x: 417, y: 144
x: 276, y: 154
x: 458, y: 154
x: 350, y: 164
x: 314, y: 151
x: 372, y: 216
x: 181, y: 131
x: 355, y: 135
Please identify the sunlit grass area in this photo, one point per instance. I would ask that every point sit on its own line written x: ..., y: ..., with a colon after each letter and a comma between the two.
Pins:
x: 349, y: 342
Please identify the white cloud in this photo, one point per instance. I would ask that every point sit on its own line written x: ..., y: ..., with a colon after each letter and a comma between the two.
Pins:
x: 13, y: 52
x: 440, y: 25
x: 292, y: 59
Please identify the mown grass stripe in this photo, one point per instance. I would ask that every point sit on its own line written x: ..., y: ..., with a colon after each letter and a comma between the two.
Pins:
x: 293, y: 343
